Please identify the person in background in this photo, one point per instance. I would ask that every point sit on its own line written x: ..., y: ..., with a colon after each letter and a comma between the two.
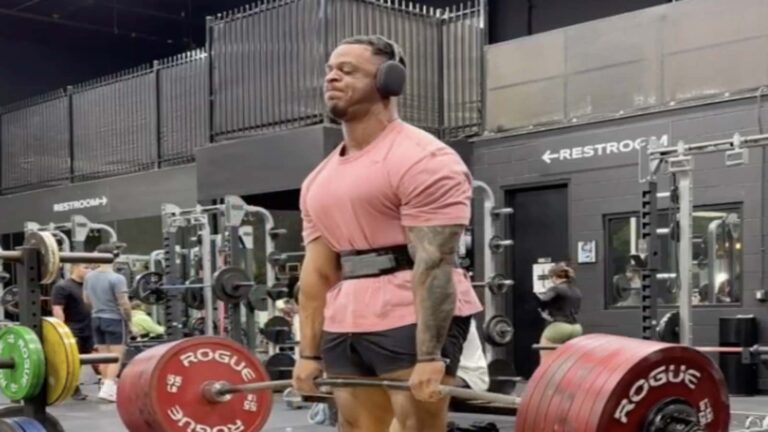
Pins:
x: 142, y: 325
x: 560, y: 305
x: 70, y: 308
x: 107, y: 293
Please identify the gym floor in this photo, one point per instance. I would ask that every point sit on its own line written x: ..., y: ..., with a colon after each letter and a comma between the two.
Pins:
x: 95, y: 415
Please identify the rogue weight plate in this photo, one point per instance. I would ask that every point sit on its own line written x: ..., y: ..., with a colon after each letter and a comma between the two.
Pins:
x: 148, y: 288
x: 277, y: 330
x: 160, y: 389
x: 62, y: 360
x: 231, y: 285
x: 280, y: 366
x: 26, y: 379
x: 498, y: 331
x: 27, y: 424
x: 611, y: 383
x: 49, y: 249
x: 10, y: 299
x: 50, y: 424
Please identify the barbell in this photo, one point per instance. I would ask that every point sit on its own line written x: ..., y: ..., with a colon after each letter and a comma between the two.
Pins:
x: 592, y: 383
x: 52, y: 258
x: 749, y: 354
x: 26, y: 363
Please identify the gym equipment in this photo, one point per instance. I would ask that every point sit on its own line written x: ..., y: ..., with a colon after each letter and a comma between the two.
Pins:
x: 193, y: 295
x: 277, y: 330
x: 498, y: 331
x: 9, y: 299
x: 497, y: 284
x: 26, y: 363
x: 51, y: 257
x: 49, y: 423
x: 593, y: 383
x: 501, y: 374
x: 669, y: 327
x: 231, y: 285
x: 148, y: 288
x: 21, y: 345
x: 280, y: 366
x: 612, y: 383
x: 258, y: 298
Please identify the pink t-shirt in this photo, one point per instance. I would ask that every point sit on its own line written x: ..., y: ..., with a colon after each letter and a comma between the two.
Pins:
x: 363, y: 200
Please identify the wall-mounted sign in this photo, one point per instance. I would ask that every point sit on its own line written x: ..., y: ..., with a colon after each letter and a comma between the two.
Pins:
x: 80, y: 204
x: 602, y: 149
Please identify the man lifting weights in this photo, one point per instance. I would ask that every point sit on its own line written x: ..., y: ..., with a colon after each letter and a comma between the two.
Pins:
x: 381, y: 293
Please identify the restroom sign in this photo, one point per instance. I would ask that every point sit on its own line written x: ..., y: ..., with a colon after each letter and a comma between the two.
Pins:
x: 602, y: 149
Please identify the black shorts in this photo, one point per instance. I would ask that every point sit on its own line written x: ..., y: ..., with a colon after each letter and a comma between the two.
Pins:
x: 378, y: 353
x: 108, y: 331
x: 84, y: 343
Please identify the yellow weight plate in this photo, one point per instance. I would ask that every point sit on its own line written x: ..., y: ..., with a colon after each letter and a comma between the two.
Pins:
x: 62, y: 360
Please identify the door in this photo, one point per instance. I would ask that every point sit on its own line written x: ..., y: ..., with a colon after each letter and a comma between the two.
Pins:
x: 539, y: 228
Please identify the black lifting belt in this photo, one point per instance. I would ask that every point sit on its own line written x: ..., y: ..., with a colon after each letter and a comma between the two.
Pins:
x: 358, y: 264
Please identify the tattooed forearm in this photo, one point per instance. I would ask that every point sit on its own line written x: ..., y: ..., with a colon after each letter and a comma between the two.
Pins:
x: 433, y: 250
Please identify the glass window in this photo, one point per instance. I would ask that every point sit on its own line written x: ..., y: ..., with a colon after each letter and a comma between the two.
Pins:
x: 716, y: 258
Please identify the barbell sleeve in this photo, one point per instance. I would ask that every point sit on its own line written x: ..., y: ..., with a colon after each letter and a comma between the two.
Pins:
x: 85, y: 359
x: 705, y: 349
x: 220, y: 390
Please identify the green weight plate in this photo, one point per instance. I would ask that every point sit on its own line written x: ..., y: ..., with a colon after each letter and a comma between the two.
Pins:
x: 23, y: 346
x: 51, y: 424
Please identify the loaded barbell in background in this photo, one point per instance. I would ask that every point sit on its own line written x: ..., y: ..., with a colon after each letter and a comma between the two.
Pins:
x: 230, y: 285
x: 26, y: 364
x: 52, y: 258
x: 593, y: 383
x: 497, y: 284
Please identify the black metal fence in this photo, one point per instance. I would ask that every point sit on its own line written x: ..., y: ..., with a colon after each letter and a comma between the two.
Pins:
x: 261, y: 71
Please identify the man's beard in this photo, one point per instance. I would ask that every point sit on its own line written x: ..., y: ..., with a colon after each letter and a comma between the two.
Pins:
x: 338, y: 112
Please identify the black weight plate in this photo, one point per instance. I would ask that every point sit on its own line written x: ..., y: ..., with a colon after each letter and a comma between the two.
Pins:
x: 502, y: 375
x: 495, y: 337
x: 193, y: 297
x: 231, y: 285
x: 51, y: 424
x: 149, y: 289
x: 257, y: 298
x: 280, y: 366
x: 278, y: 330
x: 10, y: 299
x: 669, y: 327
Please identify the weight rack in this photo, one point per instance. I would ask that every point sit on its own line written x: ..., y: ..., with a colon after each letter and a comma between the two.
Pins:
x: 29, y: 277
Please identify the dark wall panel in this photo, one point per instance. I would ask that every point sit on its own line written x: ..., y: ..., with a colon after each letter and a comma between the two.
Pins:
x: 126, y: 197
x: 602, y: 180
x: 262, y: 164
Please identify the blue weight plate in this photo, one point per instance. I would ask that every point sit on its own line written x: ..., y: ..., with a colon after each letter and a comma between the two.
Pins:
x: 29, y: 424
x: 16, y: 424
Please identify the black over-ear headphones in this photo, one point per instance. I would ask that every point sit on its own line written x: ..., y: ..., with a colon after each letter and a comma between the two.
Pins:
x: 390, y: 77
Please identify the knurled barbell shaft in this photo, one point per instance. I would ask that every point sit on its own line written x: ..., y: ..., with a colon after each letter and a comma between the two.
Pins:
x: 66, y: 257
x: 85, y: 359
x: 222, y: 389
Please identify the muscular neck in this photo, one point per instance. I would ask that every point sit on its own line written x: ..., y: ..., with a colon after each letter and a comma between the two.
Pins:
x: 360, y: 132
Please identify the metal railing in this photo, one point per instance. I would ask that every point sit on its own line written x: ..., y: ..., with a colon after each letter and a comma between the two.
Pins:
x: 261, y: 71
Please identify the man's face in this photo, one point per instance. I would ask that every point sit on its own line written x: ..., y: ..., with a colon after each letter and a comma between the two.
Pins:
x: 350, y: 81
x: 79, y: 271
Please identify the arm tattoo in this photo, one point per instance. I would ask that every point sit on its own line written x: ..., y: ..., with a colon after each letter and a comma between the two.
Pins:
x: 433, y: 250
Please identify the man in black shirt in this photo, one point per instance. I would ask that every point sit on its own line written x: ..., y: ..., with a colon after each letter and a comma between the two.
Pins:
x: 69, y: 307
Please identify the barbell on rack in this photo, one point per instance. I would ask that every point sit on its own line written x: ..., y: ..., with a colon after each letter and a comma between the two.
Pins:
x: 230, y: 285
x: 52, y: 258
x: 592, y: 383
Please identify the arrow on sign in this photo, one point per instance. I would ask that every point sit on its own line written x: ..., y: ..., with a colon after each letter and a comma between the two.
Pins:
x: 102, y: 200
x: 549, y: 156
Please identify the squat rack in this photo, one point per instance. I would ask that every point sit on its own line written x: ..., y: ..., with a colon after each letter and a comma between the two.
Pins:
x: 679, y: 161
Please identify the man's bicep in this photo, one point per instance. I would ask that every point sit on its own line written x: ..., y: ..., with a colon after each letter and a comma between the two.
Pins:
x: 320, y: 260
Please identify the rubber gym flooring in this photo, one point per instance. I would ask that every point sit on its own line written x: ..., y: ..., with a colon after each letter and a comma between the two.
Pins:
x: 94, y: 415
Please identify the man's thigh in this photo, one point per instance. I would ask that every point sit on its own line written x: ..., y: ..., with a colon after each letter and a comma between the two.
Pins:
x: 413, y: 415
x: 363, y: 409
